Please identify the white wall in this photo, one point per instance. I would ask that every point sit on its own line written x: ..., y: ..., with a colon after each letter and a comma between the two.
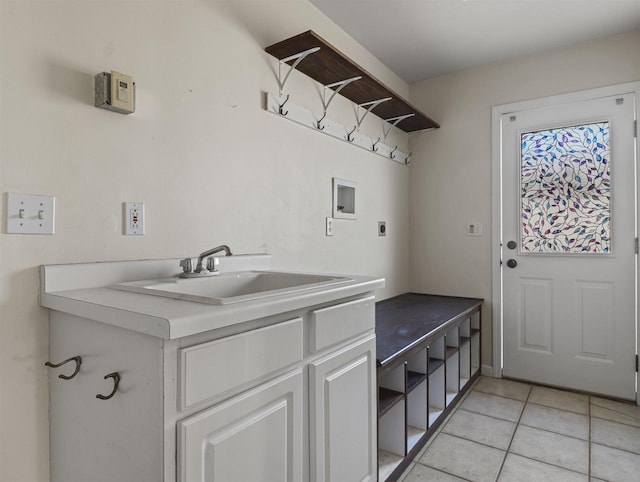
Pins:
x: 209, y: 163
x: 451, y: 173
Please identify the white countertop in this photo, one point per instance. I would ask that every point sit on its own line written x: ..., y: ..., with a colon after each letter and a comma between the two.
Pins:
x: 80, y: 289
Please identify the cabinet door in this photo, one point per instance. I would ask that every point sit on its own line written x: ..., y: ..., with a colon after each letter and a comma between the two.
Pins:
x: 343, y: 414
x: 254, y: 437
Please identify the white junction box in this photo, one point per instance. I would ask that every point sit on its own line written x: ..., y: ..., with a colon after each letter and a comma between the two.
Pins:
x: 30, y: 214
x: 133, y: 217
x: 115, y: 92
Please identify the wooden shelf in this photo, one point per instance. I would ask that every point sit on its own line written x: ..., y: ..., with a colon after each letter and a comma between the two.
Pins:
x: 387, y: 399
x: 329, y: 65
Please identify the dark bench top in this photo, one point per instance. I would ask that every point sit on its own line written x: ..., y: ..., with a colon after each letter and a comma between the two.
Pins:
x: 407, y: 320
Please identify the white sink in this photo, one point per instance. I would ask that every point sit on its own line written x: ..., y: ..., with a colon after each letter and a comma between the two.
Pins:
x: 231, y: 287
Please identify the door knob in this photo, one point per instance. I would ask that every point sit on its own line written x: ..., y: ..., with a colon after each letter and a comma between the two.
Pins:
x: 511, y: 245
x: 512, y: 263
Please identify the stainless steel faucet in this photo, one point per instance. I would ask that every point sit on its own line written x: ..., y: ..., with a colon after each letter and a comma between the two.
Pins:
x: 200, y: 270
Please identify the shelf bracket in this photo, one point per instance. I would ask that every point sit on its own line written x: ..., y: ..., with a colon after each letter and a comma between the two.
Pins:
x: 325, y: 104
x: 299, y: 57
x: 371, y: 105
x: 394, y: 121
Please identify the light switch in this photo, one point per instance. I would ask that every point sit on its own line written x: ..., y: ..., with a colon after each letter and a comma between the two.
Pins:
x: 30, y: 214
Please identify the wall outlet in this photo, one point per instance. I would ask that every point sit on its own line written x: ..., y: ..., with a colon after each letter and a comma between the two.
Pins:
x: 329, y: 226
x: 133, y: 219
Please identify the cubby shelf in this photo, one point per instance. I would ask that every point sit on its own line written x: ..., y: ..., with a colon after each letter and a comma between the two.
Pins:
x: 331, y: 68
x: 386, y: 399
x: 428, y: 353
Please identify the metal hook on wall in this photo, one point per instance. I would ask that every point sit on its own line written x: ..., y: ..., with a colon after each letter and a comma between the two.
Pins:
x: 280, y: 111
x: 349, y: 138
x: 392, y: 155
x: 76, y: 359
x: 116, y: 382
x: 373, y: 147
x: 407, y: 160
x: 319, y: 123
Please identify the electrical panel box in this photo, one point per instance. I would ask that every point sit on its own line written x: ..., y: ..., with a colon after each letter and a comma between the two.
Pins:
x: 115, y: 92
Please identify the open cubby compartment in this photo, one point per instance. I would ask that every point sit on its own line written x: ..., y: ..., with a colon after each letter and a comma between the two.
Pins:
x: 465, y: 364
x: 465, y: 331
x: 391, y: 440
x: 436, y: 391
x: 475, y: 323
x: 475, y: 342
x: 416, y: 370
x: 452, y: 341
x: 475, y: 353
x: 437, y: 353
x: 416, y: 397
x: 391, y: 388
x: 452, y: 375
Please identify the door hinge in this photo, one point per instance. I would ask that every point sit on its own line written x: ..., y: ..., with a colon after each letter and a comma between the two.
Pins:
x: 636, y: 245
x: 636, y: 363
x: 635, y: 128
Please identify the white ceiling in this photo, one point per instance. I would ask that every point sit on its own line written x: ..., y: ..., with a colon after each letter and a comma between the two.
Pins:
x: 420, y: 39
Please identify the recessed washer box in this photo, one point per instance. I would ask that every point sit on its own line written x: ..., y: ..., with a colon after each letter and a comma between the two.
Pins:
x: 344, y: 199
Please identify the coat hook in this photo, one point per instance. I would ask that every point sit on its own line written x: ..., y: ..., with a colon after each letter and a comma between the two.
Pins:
x: 392, y: 156
x: 282, y: 105
x: 116, y: 382
x: 319, y: 123
x: 407, y: 160
x: 349, y: 138
x: 373, y: 147
x: 76, y: 359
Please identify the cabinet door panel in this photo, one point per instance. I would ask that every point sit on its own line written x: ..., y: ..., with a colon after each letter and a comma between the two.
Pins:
x: 256, y: 436
x: 343, y: 414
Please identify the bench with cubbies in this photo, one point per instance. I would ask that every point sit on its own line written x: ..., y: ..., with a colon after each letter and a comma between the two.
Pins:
x: 428, y: 352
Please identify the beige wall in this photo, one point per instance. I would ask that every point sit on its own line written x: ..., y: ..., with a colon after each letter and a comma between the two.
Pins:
x: 451, y: 174
x: 209, y: 163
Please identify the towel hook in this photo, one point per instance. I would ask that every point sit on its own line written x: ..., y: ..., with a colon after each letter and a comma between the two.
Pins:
x: 407, y: 160
x: 392, y: 156
x: 280, y: 110
x: 349, y: 138
x: 116, y: 382
x: 76, y: 359
x: 319, y: 123
x: 373, y: 147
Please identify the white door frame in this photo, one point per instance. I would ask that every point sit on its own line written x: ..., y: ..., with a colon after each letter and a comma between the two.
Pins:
x: 496, y: 188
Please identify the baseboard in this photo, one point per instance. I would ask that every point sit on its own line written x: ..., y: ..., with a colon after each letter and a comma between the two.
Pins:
x: 487, y: 371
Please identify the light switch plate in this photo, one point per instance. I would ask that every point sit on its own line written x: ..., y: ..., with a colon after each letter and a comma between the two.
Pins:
x: 474, y: 228
x: 30, y: 214
x: 329, y: 226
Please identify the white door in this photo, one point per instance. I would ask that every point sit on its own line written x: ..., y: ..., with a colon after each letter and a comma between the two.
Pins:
x: 254, y: 437
x: 568, y: 245
x: 343, y: 414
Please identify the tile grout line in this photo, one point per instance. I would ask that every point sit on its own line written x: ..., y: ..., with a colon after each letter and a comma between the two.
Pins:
x: 524, y: 407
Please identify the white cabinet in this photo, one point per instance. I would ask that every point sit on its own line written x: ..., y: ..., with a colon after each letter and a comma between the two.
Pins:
x: 254, y: 436
x: 288, y: 397
x: 343, y: 414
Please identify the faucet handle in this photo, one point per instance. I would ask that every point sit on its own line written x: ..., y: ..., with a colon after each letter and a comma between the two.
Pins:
x: 212, y: 263
x: 187, y: 265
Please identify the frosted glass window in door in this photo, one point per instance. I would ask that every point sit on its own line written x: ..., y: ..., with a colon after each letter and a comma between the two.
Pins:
x: 566, y: 190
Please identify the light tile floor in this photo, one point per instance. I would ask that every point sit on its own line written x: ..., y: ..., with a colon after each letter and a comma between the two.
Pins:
x: 510, y: 431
